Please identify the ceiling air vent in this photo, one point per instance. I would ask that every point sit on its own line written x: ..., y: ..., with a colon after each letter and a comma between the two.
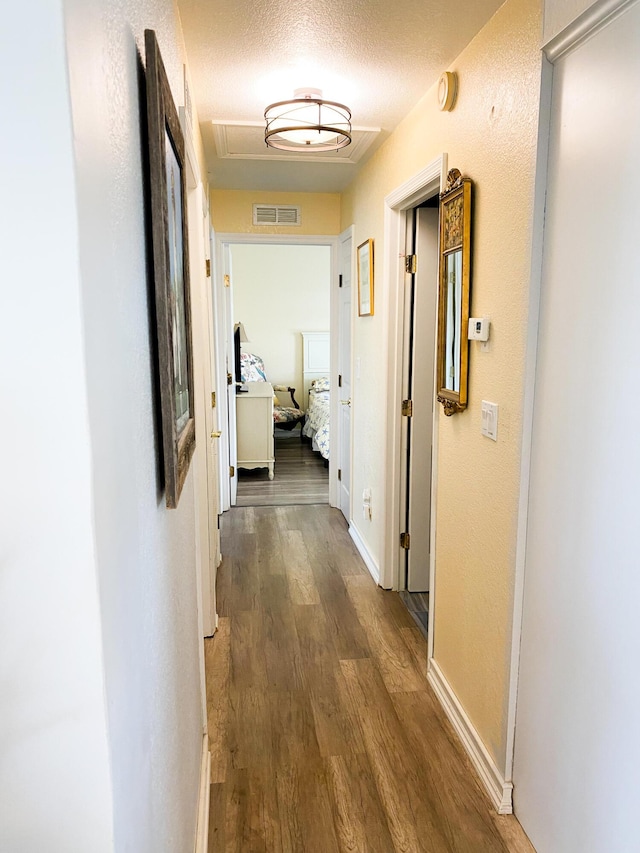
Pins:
x: 276, y: 214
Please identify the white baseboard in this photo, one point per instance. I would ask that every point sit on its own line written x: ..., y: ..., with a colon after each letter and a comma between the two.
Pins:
x: 498, y: 789
x: 369, y: 562
x: 204, y: 796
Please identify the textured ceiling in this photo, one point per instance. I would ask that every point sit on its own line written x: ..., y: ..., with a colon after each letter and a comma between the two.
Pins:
x: 377, y: 56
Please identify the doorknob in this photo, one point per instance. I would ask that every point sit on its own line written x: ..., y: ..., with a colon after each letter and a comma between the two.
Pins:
x: 216, y: 434
x: 345, y: 402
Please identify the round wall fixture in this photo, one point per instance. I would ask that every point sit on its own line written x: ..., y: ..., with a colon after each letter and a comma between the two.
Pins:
x: 447, y: 90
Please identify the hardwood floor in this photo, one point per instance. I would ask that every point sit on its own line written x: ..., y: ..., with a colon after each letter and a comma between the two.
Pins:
x: 325, y: 735
x: 300, y: 476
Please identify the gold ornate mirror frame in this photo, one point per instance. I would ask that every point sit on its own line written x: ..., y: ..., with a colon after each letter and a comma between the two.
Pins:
x: 454, y: 286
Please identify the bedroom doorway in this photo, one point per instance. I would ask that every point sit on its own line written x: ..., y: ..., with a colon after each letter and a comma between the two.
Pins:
x: 279, y: 287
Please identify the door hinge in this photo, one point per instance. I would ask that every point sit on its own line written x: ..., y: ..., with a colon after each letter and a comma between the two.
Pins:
x: 405, y: 541
x: 410, y: 263
x: 227, y: 281
x: 207, y: 267
x: 340, y: 280
x: 339, y: 380
x: 232, y: 471
x: 340, y: 473
x: 407, y: 408
x: 229, y: 379
x: 213, y: 399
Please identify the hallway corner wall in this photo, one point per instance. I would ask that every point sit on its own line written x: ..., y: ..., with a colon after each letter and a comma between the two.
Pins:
x: 491, y: 136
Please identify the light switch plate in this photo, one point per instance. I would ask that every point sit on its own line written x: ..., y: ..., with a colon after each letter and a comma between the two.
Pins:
x: 490, y: 420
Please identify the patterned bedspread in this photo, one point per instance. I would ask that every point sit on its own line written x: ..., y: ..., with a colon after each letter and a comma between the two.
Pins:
x: 316, y: 426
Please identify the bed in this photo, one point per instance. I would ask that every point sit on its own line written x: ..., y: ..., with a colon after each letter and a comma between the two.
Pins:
x: 316, y: 425
x: 316, y: 370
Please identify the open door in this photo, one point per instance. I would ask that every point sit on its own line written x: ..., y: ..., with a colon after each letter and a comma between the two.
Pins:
x: 344, y: 374
x: 227, y: 320
x: 220, y: 360
x: 207, y: 534
x: 420, y: 336
x: 212, y: 430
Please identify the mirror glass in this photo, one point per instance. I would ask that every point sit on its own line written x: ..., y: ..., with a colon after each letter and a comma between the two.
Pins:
x: 453, y: 300
x: 453, y: 271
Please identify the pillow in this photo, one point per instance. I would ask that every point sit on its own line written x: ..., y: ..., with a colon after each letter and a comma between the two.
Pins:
x: 252, y: 368
x: 321, y: 384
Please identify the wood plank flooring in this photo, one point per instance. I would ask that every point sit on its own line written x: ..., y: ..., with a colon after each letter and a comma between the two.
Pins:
x: 300, y: 476
x: 325, y: 735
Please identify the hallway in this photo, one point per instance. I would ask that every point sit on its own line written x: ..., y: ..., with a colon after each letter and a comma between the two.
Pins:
x: 325, y: 735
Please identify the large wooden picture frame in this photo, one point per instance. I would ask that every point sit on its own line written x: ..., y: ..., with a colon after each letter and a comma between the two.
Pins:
x: 171, y: 273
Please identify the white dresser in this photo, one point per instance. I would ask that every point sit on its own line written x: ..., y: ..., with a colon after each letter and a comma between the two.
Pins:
x: 254, y: 424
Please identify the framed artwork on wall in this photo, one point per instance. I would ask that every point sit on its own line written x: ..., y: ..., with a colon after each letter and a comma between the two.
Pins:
x: 365, y: 279
x: 171, y: 273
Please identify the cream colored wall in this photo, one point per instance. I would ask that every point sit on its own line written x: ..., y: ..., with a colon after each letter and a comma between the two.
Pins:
x: 278, y: 292
x: 490, y: 136
x: 232, y: 212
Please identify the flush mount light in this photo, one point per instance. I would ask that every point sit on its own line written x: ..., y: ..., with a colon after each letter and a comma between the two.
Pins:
x: 307, y: 123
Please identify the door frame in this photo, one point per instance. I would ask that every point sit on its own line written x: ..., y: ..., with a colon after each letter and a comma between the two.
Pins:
x: 423, y: 185
x: 226, y: 239
x: 336, y: 438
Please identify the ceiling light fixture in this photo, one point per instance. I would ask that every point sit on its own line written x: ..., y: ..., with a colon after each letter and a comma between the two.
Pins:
x: 307, y: 123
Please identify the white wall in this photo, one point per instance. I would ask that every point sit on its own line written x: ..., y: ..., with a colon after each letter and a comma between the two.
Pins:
x: 560, y: 13
x: 101, y: 726
x: 146, y: 553
x: 54, y: 774
x: 577, y: 752
x: 278, y: 292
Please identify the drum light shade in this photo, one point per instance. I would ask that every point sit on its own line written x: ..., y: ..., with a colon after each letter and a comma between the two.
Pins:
x: 307, y: 123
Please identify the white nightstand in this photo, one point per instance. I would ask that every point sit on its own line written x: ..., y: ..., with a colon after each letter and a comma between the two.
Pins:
x: 254, y: 425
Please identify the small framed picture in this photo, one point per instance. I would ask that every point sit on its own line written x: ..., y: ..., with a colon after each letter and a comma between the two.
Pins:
x: 365, y: 279
x: 171, y: 274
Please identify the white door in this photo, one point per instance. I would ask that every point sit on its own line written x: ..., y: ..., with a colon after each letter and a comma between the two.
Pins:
x: 211, y: 405
x: 344, y: 374
x: 207, y: 545
x: 220, y: 351
x: 423, y: 298
x: 230, y: 373
x: 577, y: 750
